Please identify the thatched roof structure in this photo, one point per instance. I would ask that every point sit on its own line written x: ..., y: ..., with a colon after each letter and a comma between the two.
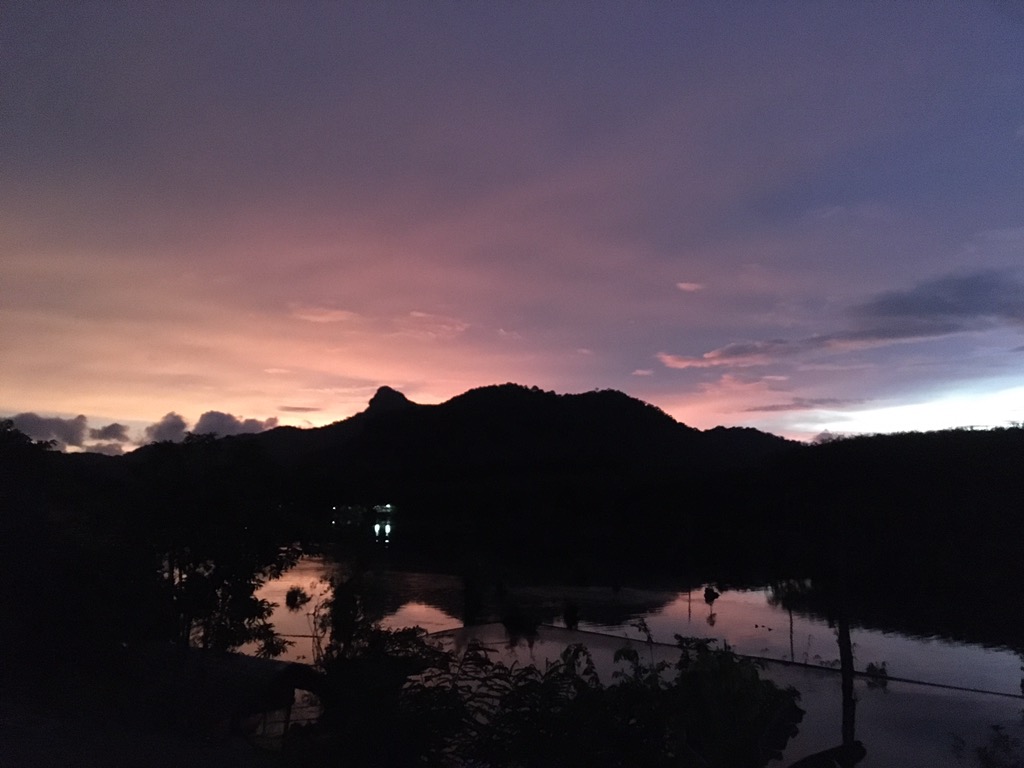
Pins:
x: 203, y: 690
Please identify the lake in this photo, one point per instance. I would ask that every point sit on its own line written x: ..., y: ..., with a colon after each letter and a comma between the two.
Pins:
x: 745, y: 619
x: 938, y: 690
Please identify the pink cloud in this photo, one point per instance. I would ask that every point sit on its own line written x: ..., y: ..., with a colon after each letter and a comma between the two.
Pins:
x: 737, y: 355
x: 323, y: 314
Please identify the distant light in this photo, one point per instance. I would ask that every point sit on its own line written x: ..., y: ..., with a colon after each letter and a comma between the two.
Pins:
x: 376, y: 529
x: 387, y: 529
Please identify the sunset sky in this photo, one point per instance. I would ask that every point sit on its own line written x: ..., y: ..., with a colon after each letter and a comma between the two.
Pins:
x: 798, y: 216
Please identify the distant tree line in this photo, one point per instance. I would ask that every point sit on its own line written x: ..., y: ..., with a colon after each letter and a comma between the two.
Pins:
x: 589, y: 488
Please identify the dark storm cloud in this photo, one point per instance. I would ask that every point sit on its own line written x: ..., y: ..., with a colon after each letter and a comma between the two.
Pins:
x: 64, y: 431
x: 171, y: 427
x: 942, y: 307
x: 115, y: 431
x: 805, y: 404
x: 226, y: 424
x: 946, y: 305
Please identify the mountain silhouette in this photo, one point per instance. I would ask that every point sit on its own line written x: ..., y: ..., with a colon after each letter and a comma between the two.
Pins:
x: 507, y: 446
x: 521, y: 426
x: 388, y: 399
x: 590, y: 483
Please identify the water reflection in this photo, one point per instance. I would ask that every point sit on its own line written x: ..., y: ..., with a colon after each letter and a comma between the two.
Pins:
x: 384, y: 515
x: 752, y: 625
x: 417, y: 614
x: 901, y: 725
x: 753, y: 622
x: 393, y: 599
x: 710, y: 595
x: 898, y: 719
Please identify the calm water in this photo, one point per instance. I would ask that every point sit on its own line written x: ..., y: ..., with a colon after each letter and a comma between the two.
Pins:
x: 752, y: 626
x: 901, y: 724
x: 743, y: 619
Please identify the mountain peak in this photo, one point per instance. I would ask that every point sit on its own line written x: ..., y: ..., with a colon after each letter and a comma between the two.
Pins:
x: 388, y: 399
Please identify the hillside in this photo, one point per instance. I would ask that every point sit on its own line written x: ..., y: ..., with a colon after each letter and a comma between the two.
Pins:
x: 509, y: 438
x: 591, y: 486
x: 593, y: 477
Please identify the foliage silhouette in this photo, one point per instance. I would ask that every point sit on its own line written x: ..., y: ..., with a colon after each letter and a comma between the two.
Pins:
x: 591, y: 488
x: 394, y: 698
x: 1002, y: 750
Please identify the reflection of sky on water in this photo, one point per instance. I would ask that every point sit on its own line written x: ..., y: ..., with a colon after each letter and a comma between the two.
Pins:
x: 744, y: 619
x: 312, y: 575
x: 421, y: 615
x: 901, y: 725
x: 751, y: 626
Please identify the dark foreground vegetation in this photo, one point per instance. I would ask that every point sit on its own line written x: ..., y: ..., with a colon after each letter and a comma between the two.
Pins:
x: 391, y: 698
x: 171, y: 542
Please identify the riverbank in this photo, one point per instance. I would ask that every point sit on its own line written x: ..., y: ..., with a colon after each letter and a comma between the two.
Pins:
x: 901, y: 724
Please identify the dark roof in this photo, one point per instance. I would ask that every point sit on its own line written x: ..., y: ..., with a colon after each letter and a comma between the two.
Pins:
x: 220, y: 685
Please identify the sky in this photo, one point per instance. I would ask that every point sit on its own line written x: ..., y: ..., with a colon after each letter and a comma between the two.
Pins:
x: 803, y: 217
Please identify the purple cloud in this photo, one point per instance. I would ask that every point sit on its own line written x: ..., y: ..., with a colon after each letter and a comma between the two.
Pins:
x: 806, y: 404
x: 932, y: 309
x: 171, y: 427
x: 115, y: 431
x: 225, y: 424
x: 946, y: 305
x: 64, y: 431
